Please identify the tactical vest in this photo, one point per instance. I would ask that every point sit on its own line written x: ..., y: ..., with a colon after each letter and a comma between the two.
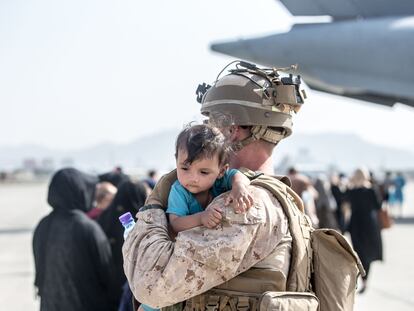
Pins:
x: 316, y: 256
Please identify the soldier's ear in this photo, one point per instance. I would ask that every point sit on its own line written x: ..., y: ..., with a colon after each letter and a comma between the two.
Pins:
x: 234, y: 132
x: 223, y: 170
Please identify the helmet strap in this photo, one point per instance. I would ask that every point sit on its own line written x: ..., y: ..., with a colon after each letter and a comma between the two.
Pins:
x: 260, y: 132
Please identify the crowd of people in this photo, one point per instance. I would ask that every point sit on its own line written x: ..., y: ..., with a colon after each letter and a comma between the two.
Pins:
x: 77, y: 247
x: 351, y: 204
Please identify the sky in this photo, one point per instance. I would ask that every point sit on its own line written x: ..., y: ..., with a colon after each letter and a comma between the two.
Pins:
x: 77, y: 73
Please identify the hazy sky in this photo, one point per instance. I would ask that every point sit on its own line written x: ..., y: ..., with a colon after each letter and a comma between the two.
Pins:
x: 76, y: 73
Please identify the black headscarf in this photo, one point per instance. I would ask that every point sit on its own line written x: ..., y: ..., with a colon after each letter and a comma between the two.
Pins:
x: 115, y: 178
x: 71, y: 189
x: 73, y: 259
x: 129, y: 198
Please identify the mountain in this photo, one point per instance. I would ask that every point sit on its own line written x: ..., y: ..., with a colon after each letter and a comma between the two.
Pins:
x: 310, y: 151
x: 343, y: 151
x: 154, y: 151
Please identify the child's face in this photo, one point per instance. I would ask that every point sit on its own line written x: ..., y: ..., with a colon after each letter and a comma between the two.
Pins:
x: 200, y: 175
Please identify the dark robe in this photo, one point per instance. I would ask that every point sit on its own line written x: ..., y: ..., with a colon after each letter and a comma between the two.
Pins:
x: 73, y: 259
x: 363, y: 226
x: 339, y: 197
x: 129, y: 198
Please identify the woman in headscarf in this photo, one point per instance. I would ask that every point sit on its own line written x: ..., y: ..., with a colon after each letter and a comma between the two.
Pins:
x: 73, y: 259
x: 363, y: 226
x: 129, y: 198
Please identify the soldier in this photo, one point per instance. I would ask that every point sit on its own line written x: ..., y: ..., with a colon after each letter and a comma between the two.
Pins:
x: 249, y: 252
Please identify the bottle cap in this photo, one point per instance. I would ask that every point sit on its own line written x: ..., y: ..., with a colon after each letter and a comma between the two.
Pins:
x: 125, y: 218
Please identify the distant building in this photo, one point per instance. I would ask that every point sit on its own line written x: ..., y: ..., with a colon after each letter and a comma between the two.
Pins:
x: 29, y: 164
x: 47, y: 164
x: 67, y: 162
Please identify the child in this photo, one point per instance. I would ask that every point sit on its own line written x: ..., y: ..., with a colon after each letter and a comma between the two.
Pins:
x: 201, y: 154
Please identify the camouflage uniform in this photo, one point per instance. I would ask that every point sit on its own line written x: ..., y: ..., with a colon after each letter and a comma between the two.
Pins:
x: 162, y: 272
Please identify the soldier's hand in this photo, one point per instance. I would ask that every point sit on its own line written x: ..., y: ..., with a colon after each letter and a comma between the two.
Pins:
x: 240, y: 199
x: 211, y: 217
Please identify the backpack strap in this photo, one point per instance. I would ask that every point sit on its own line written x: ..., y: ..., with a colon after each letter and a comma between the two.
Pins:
x: 300, y: 229
x: 249, y: 173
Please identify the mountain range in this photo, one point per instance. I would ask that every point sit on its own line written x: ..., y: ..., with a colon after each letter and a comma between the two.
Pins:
x: 309, y: 151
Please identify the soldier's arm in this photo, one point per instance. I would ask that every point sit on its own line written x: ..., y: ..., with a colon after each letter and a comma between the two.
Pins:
x: 159, y: 196
x: 162, y: 272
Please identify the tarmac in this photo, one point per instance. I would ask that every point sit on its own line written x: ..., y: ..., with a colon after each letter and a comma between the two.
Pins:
x: 391, y: 283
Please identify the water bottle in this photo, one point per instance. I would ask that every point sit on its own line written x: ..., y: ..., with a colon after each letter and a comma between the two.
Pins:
x: 128, y: 222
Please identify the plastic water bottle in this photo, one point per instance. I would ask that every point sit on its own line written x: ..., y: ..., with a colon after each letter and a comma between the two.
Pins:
x: 128, y: 222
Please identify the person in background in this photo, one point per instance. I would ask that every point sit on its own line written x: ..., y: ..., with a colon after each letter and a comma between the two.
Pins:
x: 115, y: 177
x: 338, y: 188
x: 152, y: 178
x: 363, y: 226
x: 386, y: 186
x: 302, y: 185
x: 129, y: 198
x: 104, y: 194
x: 376, y: 186
x: 398, y: 195
x: 73, y: 259
x: 325, y: 203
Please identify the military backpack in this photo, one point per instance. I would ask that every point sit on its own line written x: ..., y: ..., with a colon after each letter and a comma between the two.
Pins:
x: 323, y: 262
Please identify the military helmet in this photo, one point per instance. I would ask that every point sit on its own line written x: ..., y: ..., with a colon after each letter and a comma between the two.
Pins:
x: 256, y: 97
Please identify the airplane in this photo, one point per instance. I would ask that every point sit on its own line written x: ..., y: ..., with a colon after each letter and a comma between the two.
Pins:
x: 365, y: 52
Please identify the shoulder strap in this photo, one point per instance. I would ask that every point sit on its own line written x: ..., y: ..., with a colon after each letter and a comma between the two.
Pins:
x: 300, y: 228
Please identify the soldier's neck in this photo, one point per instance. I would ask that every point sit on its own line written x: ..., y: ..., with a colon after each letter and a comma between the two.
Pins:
x: 253, y: 159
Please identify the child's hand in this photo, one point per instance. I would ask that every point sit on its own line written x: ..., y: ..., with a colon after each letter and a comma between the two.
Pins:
x: 240, y: 198
x: 211, y: 217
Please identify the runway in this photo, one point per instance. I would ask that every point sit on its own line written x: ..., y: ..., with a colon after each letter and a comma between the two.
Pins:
x: 22, y: 205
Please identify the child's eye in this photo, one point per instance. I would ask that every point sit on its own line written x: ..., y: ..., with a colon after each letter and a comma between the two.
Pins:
x: 184, y: 168
x: 205, y: 172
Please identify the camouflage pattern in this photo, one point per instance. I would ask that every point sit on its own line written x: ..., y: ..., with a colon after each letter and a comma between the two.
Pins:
x: 162, y: 272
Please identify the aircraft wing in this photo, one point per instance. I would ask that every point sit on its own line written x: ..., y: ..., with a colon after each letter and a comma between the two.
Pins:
x: 364, y: 53
x: 348, y: 9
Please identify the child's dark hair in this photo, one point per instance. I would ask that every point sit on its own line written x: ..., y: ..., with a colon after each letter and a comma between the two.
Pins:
x: 202, y: 141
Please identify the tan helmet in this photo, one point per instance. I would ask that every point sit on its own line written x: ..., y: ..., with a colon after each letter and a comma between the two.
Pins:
x: 257, y: 97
